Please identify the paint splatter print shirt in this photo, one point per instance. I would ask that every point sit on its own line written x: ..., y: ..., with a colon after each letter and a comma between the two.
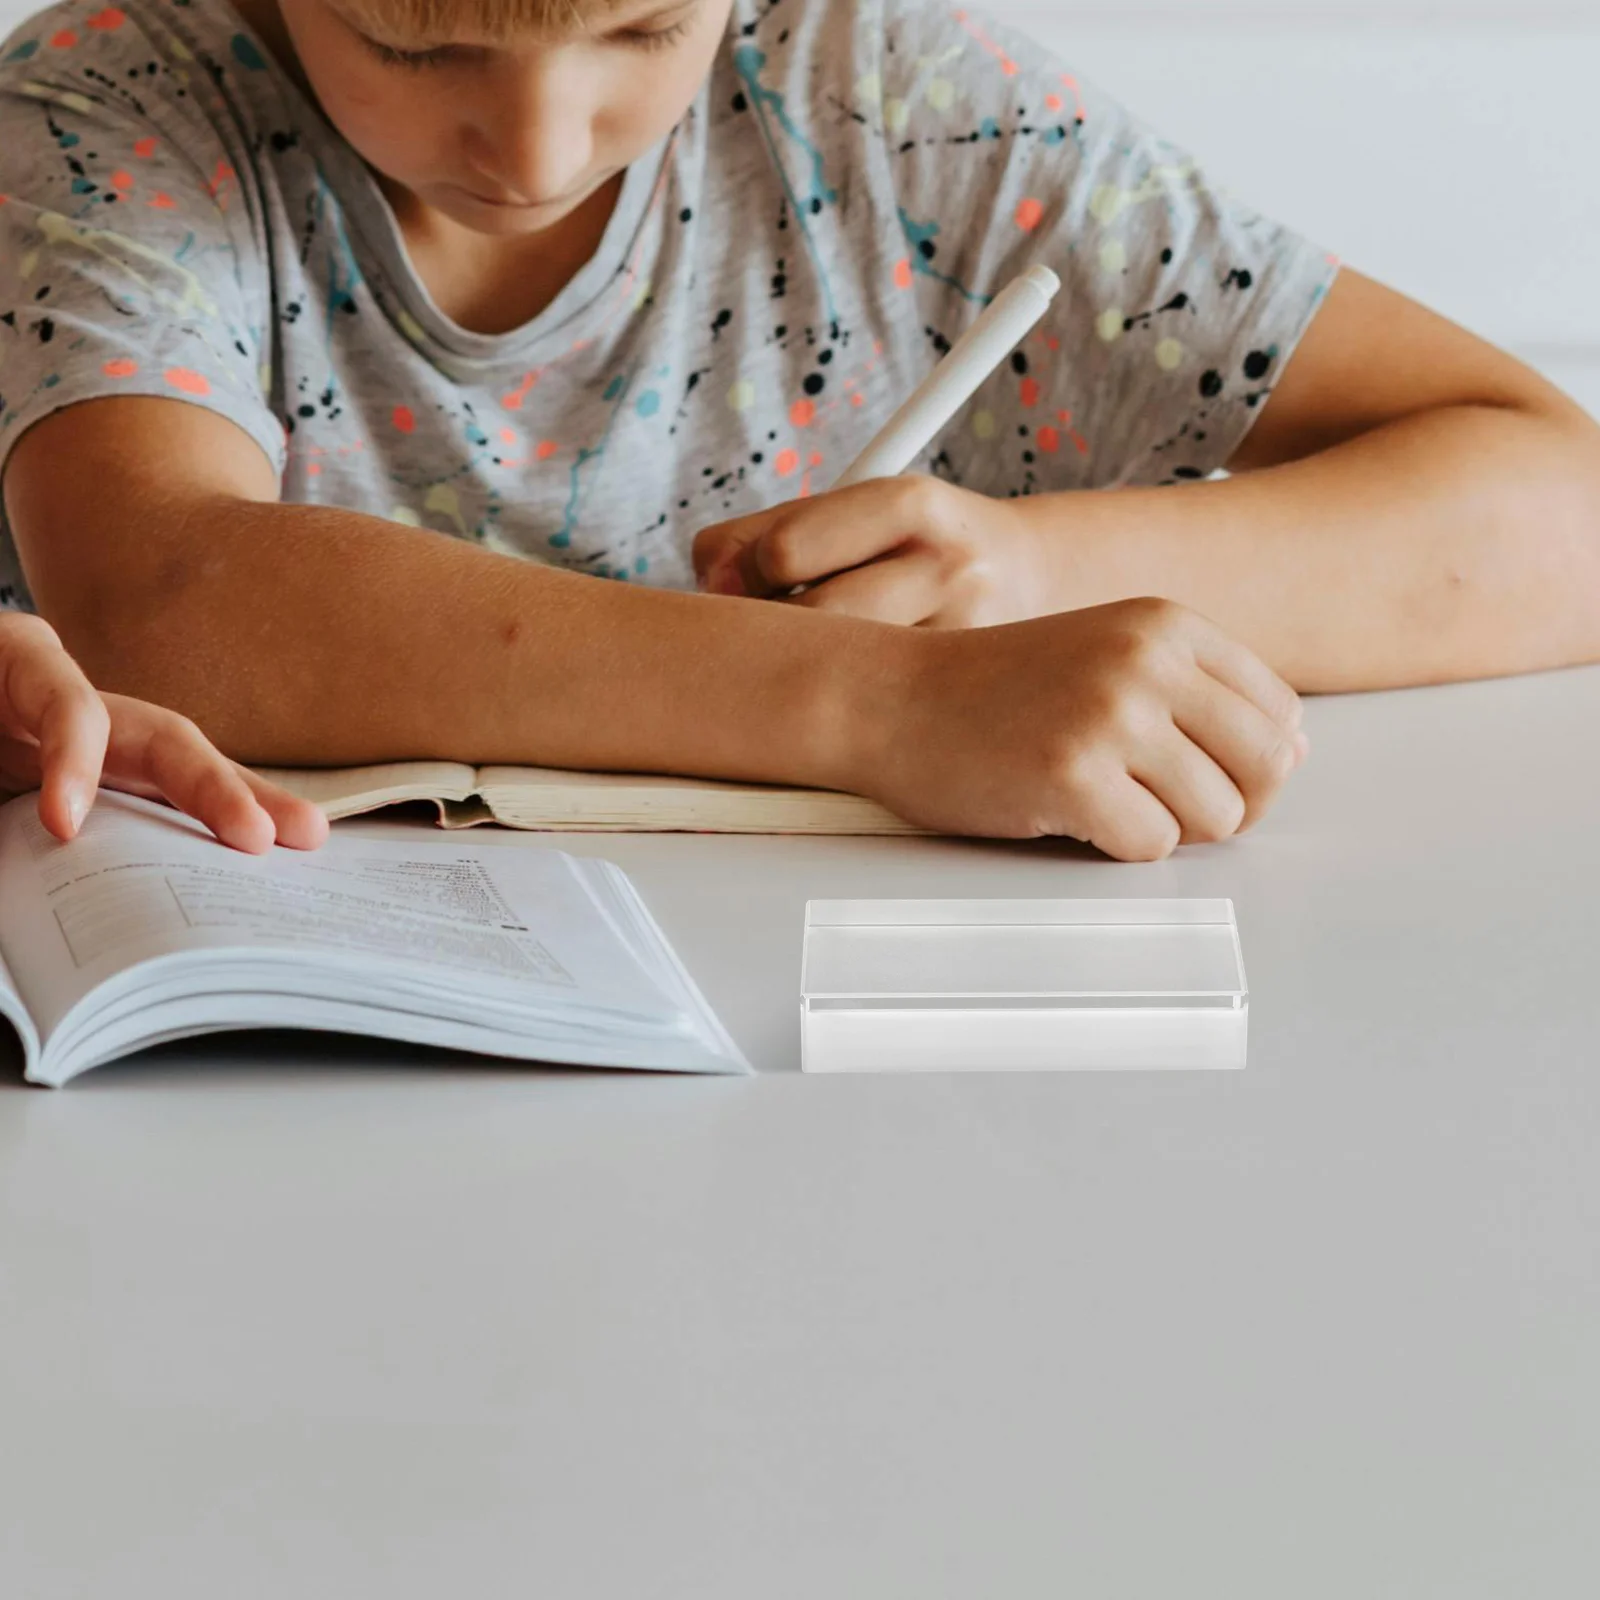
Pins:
x: 855, y: 180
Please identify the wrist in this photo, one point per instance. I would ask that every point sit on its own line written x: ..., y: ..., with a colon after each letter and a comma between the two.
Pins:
x: 862, y: 696
x: 1076, y: 554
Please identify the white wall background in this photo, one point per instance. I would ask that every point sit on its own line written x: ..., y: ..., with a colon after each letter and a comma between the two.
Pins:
x: 1444, y: 146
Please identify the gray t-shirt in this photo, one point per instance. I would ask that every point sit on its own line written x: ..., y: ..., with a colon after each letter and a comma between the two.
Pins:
x: 854, y: 181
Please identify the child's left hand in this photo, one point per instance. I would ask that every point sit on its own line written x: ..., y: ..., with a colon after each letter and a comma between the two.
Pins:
x: 912, y: 550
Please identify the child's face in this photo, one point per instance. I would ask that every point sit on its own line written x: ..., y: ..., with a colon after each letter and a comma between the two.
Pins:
x: 507, y: 137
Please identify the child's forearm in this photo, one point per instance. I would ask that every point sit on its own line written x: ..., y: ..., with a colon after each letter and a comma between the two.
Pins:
x: 317, y: 636
x: 1459, y: 543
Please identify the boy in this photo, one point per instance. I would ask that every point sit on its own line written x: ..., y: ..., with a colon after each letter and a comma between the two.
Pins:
x: 59, y: 736
x: 578, y: 280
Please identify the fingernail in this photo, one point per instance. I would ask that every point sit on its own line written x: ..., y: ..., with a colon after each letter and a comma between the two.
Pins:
x: 1302, y: 746
x: 77, y: 806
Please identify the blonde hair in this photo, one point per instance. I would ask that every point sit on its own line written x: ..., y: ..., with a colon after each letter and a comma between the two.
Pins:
x: 493, y: 20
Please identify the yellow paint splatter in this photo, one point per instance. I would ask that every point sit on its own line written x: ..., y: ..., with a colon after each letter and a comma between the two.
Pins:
x: 1113, y: 255
x: 742, y: 395
x: 410, y: 327
x: 406, y: 515
x: 443, y: 499
x: 941, y: 94
x: 117, y: 248
x: 869, y: 87
x: 1109, y: 202
x: 1109, y: 324
x: 896, y: 113
x: 1169, y: 355
x: 69, y: 98
x: 983, y: 424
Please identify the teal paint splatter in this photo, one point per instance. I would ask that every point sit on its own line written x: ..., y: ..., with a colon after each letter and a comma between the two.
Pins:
x: 648, y: 403
x: 344, y: 275
x: 82, y: 186
x: 641, y: 565
x: 1056, y: 135
x: 27, y: 48
x: 616, y: 392
x: 67, y: 140
x: 916, y: 233
x: 748, y: 62
x: 989, y: 128
x: 246, y: 54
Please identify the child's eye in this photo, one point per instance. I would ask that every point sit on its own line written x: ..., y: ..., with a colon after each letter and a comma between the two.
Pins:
x: 415, y: 59
x: 653, y: 38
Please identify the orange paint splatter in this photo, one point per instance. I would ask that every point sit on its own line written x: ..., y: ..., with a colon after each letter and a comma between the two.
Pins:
x: 547, y: 448
x: 512, y: 401
x: 858, y: 400
x: 1030, y: 391
x: 313, y: 470
x: 508, y: 436
x: 404, y: 418
x: 64, y: 40
x: 1053, y: 102
x: 162, y: 201
x: 1030, y: 213
x: 1008, y: 66
x: 109, y: 20
x: 902, y: 273
x: 1048, y: 439
x: 1051, y: 342
x: 785, y: 462
x: 145, y: 148
x: 187, y: 379
x: 802, y: 413
x: 122, y: 367
x: 122, y: 180
x: 814, y: 459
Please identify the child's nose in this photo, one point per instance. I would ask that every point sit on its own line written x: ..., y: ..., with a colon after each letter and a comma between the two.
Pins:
x: 537, y: 143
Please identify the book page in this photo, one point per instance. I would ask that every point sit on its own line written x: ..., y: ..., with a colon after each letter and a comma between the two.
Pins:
x: 141, y: 882
x: 543, y: 797
x: 345, y: 791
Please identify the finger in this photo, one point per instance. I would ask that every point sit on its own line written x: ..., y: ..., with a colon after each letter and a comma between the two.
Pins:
x: 154, y: 747
x: 714, y: 548
x: 1257, y: 753
x: 300, y: 824
x: 1200, y: 795
x: 1119, y: 815
x: 47, y: 699
x: 1243, y: 671
x: 902, y: 588
x: 816, y: 539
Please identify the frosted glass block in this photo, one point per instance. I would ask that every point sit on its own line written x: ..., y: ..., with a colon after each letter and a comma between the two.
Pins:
x: 1021, y: 985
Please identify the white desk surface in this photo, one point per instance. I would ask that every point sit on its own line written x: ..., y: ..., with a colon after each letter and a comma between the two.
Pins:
x: 299, y: 1318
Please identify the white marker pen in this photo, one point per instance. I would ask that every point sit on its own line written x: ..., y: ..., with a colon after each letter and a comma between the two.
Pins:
x: 971, y: 359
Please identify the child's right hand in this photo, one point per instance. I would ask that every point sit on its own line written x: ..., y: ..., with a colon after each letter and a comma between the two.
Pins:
x: 1134, y: 726
x: 60, y: 736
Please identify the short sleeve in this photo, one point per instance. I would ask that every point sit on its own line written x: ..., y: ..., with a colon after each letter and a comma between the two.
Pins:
x: 130, y: 258
x: 1179, y: 306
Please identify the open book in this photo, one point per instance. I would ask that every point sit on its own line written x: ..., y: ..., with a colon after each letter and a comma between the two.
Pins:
x: 144, y: 929
x: 588, y: 802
